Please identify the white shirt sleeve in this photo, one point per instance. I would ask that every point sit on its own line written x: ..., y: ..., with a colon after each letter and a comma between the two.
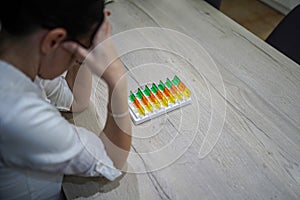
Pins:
x: 57, y: 92
x: 35, y: 136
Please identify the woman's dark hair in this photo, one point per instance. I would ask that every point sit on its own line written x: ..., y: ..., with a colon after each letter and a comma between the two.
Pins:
x: 21, y: 17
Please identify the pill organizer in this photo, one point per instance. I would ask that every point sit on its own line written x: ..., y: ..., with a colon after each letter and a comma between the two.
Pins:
x: 155, y: 99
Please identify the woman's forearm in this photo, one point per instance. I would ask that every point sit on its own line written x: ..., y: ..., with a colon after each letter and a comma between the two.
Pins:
x: 79, y: 79
x: 117, y: 131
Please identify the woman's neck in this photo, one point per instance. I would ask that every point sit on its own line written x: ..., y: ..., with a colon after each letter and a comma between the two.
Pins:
x: 21, y: 53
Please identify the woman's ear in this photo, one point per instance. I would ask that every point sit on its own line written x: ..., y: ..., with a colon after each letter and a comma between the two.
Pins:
x: 52, y: 40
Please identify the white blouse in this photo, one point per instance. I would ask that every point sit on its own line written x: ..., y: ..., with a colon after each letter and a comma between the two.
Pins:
x: 37, y: 145
x: 56, y: 92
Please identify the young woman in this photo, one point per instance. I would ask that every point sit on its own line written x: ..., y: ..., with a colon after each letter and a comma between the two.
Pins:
x: 38, y: 39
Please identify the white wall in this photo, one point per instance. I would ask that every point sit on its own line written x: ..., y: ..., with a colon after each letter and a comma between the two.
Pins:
x: 283, y: 6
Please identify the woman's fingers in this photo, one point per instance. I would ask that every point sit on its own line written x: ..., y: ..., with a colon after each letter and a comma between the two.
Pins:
x: 102, y: 32
x: 98, y: 57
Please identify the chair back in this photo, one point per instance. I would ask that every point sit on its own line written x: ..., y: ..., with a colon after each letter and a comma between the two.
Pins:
x: 214, y: 3
x: 286, y: 35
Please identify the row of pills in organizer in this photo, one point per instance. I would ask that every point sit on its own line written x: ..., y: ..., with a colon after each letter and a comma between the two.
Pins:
x: 151, y: 98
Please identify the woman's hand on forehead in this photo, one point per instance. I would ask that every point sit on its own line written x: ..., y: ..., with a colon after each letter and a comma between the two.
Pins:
x: 102, y: 53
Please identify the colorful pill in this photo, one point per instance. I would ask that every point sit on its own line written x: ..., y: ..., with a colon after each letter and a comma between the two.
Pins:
x: 166, y: 91
x: 152, y: 98
x: 145, y: 101
x: 159, y: 95
x: 136, y: 104
x: 173, y: 89
x: 180, y: 85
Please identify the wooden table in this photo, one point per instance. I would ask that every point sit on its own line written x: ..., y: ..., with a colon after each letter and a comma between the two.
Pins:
x: 240, y: 137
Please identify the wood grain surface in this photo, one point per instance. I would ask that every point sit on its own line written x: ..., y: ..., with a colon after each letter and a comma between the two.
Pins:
x: 240, y: 137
